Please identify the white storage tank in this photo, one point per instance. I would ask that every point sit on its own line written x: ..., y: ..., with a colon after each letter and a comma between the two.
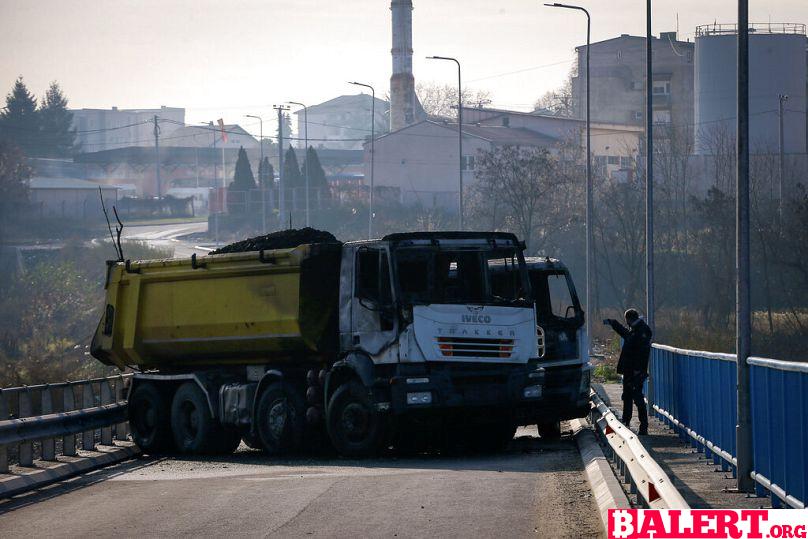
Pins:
x: 777, y: 66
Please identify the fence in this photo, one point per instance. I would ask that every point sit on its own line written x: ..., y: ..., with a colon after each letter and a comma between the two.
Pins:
x: 60, y: 417
x: 695, y: 393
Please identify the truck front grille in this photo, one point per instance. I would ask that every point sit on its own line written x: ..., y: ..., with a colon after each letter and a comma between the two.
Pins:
x: 475, y: 347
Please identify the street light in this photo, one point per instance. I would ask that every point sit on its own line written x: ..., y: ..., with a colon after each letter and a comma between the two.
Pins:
x: 372, y: 153
x: 459, y: 130
x: 215, y: 181
x: 589, y: 240
x: 261, y: 171
x: 305, y: 151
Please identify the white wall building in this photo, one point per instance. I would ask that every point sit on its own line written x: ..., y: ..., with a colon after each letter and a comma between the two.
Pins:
x: 107, y: 129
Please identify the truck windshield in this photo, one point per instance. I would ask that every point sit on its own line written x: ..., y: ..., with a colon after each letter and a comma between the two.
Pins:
x: 441, y: 275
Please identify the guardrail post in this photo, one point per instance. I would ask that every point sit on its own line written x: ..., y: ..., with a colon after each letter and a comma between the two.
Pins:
x: 87, y: 401
x: 49, y: 444
x: 69, y: 403
x: 3, y: 449
x: 121, y: 429
x: 106, y: 398
x: 26, y: 449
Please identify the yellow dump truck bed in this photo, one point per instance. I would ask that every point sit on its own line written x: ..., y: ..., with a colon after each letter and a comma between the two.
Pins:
x: 241, y: 308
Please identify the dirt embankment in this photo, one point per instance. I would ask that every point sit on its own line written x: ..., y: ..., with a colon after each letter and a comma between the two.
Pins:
x: 283, y: 239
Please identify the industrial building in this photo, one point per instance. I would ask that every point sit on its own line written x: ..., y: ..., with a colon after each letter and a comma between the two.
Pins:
x: 106, y: 129
x: 617, y: 88
x: 777, y: 70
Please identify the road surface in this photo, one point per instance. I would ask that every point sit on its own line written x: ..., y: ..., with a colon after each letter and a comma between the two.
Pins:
x: 535, y: 489
x: 168, y: 236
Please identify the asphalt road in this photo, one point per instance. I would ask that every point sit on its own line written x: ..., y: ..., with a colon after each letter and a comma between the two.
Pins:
x: 534, y: 489
x: 168, y: 236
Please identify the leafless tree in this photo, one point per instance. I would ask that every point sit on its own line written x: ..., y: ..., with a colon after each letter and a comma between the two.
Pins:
x: 441, y: 99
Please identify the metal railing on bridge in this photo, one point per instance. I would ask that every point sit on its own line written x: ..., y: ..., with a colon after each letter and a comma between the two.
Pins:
x: 60, y: 417
x: 695, y: 393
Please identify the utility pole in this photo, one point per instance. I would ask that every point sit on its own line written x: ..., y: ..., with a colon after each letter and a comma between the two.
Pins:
x: 459, y: 132
x: 590, y: 309
x: 743, y: 315
x: 306, y: 149
x: 783, y: 98
x: 649, y: 172
x: 261, y: 172
x: 157, y: 158
x: 281, y: 187
x: 372, y: 153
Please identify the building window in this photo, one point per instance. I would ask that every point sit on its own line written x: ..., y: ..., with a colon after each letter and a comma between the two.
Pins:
x: 467, y: 162
x: 662, y: 87
x: 613, y: 160
x: 637, y: 85
x: 619, y: 55
x: 662, y: 116
x: 625, y: 162
x: 600, y: 160
x: 638, y: 115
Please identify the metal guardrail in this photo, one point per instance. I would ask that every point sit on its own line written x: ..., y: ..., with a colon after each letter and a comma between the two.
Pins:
x: 694, y: 393
x: 51, y: 413
x: 651, y: 484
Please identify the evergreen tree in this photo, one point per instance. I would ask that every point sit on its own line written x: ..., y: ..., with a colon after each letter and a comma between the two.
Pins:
x: 58, y: 137
x: 19, y: 122
x: 238, y: 194
x: 316, y: 173
x: 291, y: 170
x: 266, y: 173
x: 243, y: 179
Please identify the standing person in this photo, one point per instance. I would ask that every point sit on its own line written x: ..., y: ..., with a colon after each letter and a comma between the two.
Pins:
x: 633, y: 364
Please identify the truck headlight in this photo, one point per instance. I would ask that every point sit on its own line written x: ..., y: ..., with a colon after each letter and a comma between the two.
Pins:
x: 419, y: 397
x: 531, y: 392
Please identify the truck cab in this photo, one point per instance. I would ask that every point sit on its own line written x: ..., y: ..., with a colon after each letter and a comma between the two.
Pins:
x: 431, y: 333
x: 562, y: 343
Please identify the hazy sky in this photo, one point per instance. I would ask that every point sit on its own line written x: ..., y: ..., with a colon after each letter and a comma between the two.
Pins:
x: 227, y: 58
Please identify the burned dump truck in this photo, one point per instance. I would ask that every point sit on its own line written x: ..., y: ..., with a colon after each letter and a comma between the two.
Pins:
x: 370, y: 343
x: 562, y: 341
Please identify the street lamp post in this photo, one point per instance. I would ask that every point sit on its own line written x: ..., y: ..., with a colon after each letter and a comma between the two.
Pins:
x: 215, y: 181
x: 305, y: 151
x: 261, y: 172
x: 589, y: 204
x: 372, y: 153
x: 459, y: 131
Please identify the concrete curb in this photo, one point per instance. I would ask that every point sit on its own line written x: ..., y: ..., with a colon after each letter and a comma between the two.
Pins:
x: 604, y: 485
x: 44, y: 472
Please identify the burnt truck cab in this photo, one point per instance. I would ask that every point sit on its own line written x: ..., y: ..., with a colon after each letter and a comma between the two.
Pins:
x: 562, y: 341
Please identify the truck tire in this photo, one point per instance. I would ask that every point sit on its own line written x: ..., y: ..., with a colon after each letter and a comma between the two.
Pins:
x: 149, y: 419
x: 549, y: 430
x: 280, y: 419
x: 355, y: 427
x: 195, y: 430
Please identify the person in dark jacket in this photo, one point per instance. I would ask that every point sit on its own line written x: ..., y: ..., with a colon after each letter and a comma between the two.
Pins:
x: 633, y: 364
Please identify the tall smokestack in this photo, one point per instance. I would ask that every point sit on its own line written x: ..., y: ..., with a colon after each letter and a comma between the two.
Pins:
x: 402, y: 83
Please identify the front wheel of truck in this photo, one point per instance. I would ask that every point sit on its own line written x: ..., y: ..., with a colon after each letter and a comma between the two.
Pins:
x: 355, y: 427
x: 149, y: 419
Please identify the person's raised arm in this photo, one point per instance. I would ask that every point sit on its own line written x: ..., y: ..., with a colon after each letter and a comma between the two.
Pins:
x: 619, y: 328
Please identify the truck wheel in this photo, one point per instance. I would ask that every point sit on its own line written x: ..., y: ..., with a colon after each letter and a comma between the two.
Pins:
x: 195, y: 430
x: 149, y: 419
x: 356, y: 429
x: 549, y: 430
x: 280, y: 419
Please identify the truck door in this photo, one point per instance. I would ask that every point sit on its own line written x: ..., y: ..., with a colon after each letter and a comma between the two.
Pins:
x: 373, y: 315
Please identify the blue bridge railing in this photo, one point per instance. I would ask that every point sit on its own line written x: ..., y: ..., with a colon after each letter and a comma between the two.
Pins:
x: 694, y: 392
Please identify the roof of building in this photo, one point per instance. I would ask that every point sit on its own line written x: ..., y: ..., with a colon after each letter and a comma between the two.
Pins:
x: 66, y: 183
x: 346, y: 101
x: 623, y: 37
x: 536, y: 113
x: 202, y: 135
x: 495, y: 134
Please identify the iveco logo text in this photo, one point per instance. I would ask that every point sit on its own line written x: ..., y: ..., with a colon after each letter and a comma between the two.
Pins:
x: 476, y: 319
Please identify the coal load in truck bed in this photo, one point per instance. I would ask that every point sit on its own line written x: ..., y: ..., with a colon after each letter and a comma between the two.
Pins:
x: 283, y: 239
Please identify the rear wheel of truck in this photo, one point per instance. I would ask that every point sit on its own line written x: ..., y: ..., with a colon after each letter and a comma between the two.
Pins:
x: 549, y: 430
x: 150, y: 419
x: 355, y: 427
x: 195, y: 429
x: 280, y: 419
